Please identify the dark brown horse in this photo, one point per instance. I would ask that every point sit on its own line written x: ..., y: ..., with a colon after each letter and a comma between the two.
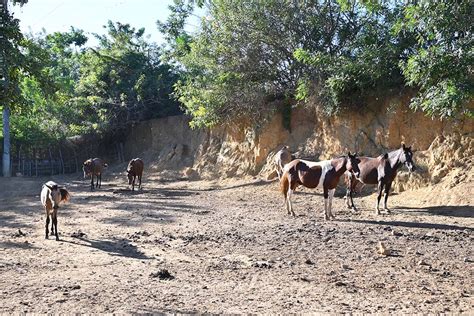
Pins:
x: 381, y: 171
x: 134, y: 170
x: 94, y: 167
x: 323, y: 175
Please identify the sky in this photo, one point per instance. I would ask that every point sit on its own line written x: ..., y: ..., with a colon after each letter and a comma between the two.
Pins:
x: 91, y: 15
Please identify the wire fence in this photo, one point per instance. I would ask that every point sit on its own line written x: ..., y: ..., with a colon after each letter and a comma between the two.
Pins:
x: 36, y: 158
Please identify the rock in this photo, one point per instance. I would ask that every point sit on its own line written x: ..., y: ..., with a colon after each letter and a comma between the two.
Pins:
x: 262, y: 264
x: 308, y: 261
x: 345, y: 267
x: 422, y: 263
x: 191, y: 173
x: 396, y: 233
x: 383, y: 250
x: 162, y: 274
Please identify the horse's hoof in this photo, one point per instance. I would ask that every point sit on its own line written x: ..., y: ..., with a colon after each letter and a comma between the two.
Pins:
x: 387, y: 210
x: 354, y: 209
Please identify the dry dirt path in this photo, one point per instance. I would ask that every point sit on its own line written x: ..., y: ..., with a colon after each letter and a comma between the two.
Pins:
x: 230, y: 248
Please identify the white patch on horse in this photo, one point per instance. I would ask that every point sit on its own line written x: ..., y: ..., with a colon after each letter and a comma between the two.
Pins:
x: 325, y: 167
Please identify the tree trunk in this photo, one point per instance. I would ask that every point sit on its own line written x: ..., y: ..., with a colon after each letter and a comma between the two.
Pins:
x: 6, y: 142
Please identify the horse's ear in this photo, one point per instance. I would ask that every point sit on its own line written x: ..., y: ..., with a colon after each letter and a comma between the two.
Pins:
x: 349, y: 154
x: 403, y: 145
x: 409, y: 148
x: 385, y: 156
x: 49, y: 187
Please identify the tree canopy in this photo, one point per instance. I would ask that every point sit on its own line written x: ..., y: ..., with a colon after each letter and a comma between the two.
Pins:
x: 341, y: 52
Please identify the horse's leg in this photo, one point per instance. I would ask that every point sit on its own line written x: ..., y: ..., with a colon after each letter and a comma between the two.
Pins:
x: 97, y: 180
x: 331, y: 196
x: 140, y: 182
x: 326, y: 195
x: 92, y: 181
x: 386, y: 192
x: 352, y: 191
x: 380, y: 189
x: 47, y: 223
x: 133, y: 184
x: 55, y: 222
x: 290, y: 205
x: 52, y: 225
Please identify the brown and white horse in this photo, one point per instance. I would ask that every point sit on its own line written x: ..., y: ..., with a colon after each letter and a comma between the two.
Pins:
x: 322, y: 175
x: 94, y: 167
x: 134, y: 170
x: 381, y: 171
x: 51, y: 195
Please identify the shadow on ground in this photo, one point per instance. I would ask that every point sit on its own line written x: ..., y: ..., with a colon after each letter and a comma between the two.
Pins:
x: 116, y: 247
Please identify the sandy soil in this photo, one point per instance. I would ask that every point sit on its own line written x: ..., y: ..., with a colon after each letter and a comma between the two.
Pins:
x: 229, y: 247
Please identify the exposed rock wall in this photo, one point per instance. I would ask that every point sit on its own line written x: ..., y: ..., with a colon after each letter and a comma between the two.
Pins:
x: 241, y: 150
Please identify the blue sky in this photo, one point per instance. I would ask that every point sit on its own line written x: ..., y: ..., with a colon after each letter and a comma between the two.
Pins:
x: 91, y: 15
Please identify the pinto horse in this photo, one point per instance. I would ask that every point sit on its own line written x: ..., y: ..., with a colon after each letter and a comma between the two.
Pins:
x: 51, y: 195
x: 94, y: 167
x: 381, y: 171
x: 323, y: 175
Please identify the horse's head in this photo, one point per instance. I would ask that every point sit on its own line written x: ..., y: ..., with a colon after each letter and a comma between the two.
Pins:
x: 406, y: 158
x: 54, y: 195
x: 130, y: 176
x: 352, y: 164
x: 87, y: 168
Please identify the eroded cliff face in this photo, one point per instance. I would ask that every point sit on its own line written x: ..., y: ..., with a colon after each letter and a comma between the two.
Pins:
x: 443, y: 149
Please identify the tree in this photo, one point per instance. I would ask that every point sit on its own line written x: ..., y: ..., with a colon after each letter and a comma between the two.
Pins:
x: 123, y: 80
x: 11, y: 62
x: 440, y: 63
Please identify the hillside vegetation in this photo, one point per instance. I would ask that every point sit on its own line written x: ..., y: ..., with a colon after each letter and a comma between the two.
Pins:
x: 242, y: 56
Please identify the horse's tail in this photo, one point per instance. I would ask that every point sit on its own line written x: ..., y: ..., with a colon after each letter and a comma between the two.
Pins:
x: 65, y: 196
x: 284, y: 183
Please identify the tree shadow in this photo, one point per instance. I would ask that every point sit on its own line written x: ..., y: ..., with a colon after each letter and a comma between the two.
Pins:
x: 18, y: 245
x: 116, y: 247
x: 408, y: 224
x: 253, y: 183
x: 454, y: 211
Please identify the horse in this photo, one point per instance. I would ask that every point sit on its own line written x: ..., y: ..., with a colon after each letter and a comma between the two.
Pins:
x: 51, y: 195
x: 282, y: 157
x: 381, y: 171
x: 135, y: 169
x: 322, y: 175
x: 94, y: 167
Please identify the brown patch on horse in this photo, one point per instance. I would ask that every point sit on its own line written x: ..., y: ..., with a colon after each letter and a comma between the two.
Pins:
x: 308, y: 176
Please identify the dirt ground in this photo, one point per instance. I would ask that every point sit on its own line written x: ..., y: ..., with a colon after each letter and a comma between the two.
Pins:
x: 229, y: 247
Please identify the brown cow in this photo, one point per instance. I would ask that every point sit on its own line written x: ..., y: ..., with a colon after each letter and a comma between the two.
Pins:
x: 135, y: 169
x: 94, y: 167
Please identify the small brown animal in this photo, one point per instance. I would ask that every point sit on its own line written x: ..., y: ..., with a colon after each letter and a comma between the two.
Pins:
x: 51, y: 195
x: 135, y: 169
x: 94, y: 167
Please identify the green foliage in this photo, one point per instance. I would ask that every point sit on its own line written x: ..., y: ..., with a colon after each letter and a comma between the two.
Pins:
x: 123, y: 80
x: 342, y: 52
x: 440, y: 63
